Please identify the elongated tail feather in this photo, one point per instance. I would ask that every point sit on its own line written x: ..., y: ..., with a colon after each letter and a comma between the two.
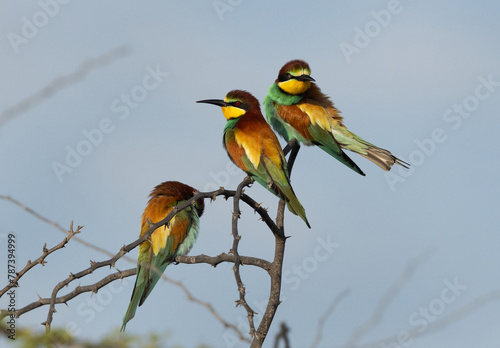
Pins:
x: 295, y: 207
x: 137, y: 293
x: 285, y: 192
x: 383, y: 158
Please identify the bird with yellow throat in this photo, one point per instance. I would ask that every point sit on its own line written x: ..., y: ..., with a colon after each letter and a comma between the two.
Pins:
x: 175, y: 238
x: 298, y: 110
x: 252, y: 145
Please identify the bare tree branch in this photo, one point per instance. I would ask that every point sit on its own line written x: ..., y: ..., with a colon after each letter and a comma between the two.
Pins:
x: 214, y: 261
x: 212, y: 310
x: 440, y: 324
x: 94, y: 288
x: 41, y: 260
x: 111, y: 262
x: 275, y: 273
x: 385, y: 301
x: 234, y: 250
x: 60, y: 228
x: 282, y: 335
x: 321, y: 323
x: 62, y: 82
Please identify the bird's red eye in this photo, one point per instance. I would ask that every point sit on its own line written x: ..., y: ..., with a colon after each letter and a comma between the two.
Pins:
x: 237, y: 103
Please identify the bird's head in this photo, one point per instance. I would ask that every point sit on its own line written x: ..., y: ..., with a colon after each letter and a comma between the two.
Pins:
x: 236, y: 104
x: 178, y: 192
x: 295, y: 77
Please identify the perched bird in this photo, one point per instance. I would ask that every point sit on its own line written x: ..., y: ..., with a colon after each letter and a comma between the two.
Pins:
x: 166, y: 242
x: 297, y: 109
x: 252, y: 145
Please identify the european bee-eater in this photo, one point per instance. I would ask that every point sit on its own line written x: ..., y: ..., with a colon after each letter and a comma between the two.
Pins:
x: 166, y: 242
x: 297, y: 109
x: 252, y: 145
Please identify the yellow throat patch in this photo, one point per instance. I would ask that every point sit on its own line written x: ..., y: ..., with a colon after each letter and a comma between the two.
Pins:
x: 294, y: 86
x: 230, y: 112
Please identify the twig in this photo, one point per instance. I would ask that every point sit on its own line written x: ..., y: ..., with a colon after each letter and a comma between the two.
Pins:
x: 234, y: 250
x: 41, y: 260
x: 62, y: 82
x: 321, y: 323
x: 439, y: 324
x: 211, y: 309
x: 215, y: 260
x: 282, y: 335
x: 77, y: 291
x: 60, y: 228
x: 385, y: 301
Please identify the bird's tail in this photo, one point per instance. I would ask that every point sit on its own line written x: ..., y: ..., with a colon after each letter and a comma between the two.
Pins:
x: 294, y: 205
x: 285, y: 192
x: 139, y: 287
x: 381, y: 157
x: 147, y: 277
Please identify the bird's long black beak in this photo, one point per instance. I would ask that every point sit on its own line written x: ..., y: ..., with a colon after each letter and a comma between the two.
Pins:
x: 218, y: 102
x: 304, y: 77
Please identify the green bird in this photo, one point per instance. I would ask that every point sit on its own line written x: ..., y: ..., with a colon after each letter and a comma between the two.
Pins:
x: 252, y: 145
x: 166, y: 242
x: 297, y: 109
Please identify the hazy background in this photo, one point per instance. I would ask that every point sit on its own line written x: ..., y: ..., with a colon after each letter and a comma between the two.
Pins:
x: 400, y: 86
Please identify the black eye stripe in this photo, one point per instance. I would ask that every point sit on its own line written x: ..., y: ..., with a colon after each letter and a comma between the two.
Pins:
x: 240, y: 105
x: 285, y: 77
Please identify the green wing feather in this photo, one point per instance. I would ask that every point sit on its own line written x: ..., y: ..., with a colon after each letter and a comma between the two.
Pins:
x: 326, y: 141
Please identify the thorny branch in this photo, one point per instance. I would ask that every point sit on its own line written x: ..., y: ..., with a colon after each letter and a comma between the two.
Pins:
x: 234, y: 250
x: 274, y: 269
x: 277, y: 265
x: 214, y: 261
x: 54, y: 299
x: 41, y: 260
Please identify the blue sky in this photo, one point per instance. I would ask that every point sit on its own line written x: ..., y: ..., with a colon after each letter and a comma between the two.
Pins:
x: 419, y: 78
